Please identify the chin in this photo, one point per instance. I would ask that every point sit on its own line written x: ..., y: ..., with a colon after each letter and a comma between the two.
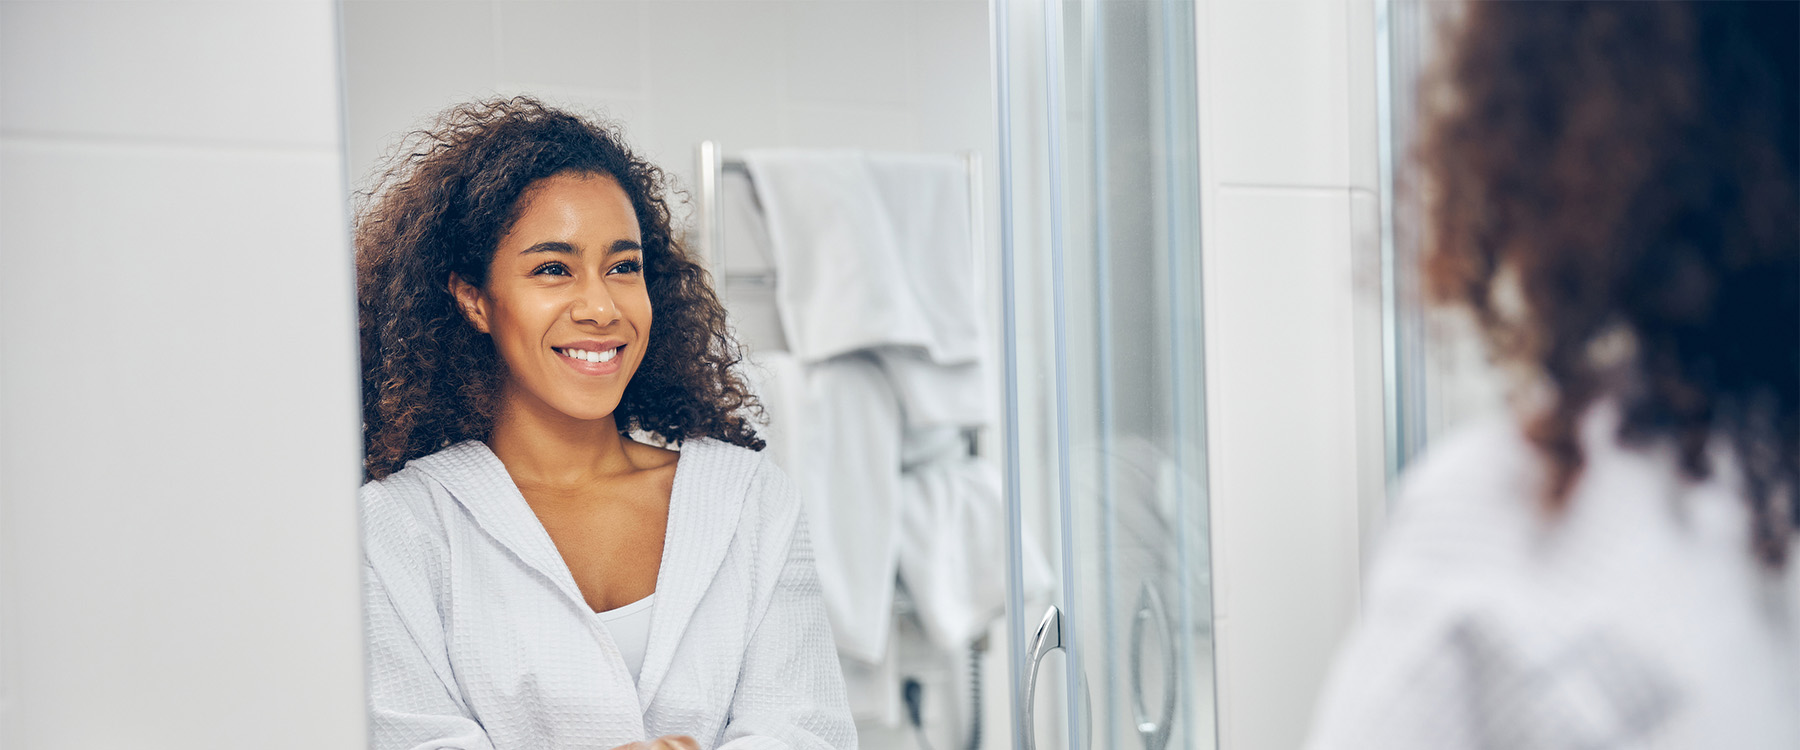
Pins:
x: 589, y: 411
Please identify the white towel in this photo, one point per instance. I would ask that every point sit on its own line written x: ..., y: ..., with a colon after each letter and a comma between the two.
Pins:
x: 953, y: 549
x: 870, y: 251
x: 876, y: 293
x: 835, y: 427
x: 937, y: 395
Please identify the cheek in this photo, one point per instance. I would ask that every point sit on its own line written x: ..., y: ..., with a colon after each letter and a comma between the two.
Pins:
x: 518, y: 325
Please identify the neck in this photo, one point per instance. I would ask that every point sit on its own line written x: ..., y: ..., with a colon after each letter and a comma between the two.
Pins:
x: 542, y: 446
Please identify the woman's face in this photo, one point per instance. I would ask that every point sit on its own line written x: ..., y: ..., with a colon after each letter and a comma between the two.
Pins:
x: 565, y: 301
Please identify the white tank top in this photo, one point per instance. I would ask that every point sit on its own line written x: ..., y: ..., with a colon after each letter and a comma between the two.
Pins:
x: 630, y: 629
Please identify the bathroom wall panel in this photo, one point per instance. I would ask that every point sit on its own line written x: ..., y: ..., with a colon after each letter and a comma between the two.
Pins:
x: 682, y: 119
x: 763, y: 73
x: 1283, y: 430
x: 232, y: 72
x: 727, y: 50
x: 1360, y: 84
x: 949, y: 62
x: 179, y: 562
x: 404, y: 60
x: 573, y: 42
x: 179, y: 448
x: 852, y: 126
x: 849, y: 52
x: 1278, y: 77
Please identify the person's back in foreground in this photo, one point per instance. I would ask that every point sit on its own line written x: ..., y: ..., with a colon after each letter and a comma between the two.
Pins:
x: 1613, y: 194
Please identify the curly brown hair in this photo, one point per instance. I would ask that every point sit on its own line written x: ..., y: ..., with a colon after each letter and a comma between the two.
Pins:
x: 440, y: 207
x: 1633, y: 168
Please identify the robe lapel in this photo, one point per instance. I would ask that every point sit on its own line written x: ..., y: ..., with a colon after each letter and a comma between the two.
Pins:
x: 479, y: 483
x: 711, y: 484
x: 477, y: 480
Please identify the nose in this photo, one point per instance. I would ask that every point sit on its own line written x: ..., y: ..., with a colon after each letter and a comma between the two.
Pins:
x: 594, y: 304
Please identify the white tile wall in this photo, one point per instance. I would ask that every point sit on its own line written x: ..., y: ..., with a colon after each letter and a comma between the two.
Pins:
x: 1279, y: 77
x: 1359, y: 36
x: 403, y: 60
x: 230, y: 72
x: 882, y: 74
x: 1294, y: 393
x: 574, y: 42
x: 1283, y: 424
x: 179, y: 451
x: 850, y: 53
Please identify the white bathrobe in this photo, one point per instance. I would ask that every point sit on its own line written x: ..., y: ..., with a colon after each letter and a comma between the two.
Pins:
x: 1637, y: 618
x: 479, y: 638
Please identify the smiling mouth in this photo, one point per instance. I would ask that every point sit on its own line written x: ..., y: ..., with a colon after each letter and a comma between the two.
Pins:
x: 583, y: 355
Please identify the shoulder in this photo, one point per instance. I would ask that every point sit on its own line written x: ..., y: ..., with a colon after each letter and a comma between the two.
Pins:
x: 1444, y: 564
x: 403, y: 512
x: 749, y: 471
x: 766, y: 499
x: 394, y: 502
x: 1474, y: 494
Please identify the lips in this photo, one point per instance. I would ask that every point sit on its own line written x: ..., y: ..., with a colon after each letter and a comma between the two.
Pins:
x: 592, y: 357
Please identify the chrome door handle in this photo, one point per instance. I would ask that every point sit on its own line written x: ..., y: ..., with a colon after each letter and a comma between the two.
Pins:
x: 1049, y: 638
x: 1154, y: 732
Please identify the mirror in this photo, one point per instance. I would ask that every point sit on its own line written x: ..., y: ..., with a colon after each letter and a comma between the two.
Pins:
x: 888, y: 433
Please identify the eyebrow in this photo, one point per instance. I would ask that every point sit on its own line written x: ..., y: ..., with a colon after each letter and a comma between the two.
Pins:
x: 564, y: 248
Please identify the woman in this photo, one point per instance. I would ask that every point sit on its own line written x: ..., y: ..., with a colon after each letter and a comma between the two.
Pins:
x: 1613, y: 193
x: 536, y: 577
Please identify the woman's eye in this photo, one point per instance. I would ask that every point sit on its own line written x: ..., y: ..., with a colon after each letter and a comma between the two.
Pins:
x: 630, y: 266
x: 551, y: 269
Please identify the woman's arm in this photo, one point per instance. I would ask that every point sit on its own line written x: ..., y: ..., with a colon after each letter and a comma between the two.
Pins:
x: 790, y: 692
x: 412, y: 706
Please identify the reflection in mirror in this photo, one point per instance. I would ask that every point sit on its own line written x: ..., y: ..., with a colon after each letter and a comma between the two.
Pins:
x: 582, y: 488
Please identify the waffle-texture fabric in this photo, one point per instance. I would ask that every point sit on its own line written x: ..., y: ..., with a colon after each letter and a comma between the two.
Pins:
x: 1637, y: 616
x: 479, y: 638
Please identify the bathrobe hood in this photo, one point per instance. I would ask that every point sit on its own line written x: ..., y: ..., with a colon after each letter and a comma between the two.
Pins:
x: 480, y: 638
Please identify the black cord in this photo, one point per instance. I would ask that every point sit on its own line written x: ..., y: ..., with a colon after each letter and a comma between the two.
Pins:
x: 975, y: 652
x: 914, y: 695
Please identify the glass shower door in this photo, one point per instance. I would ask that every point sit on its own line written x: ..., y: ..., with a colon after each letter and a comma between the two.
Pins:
x: 1106, y: 407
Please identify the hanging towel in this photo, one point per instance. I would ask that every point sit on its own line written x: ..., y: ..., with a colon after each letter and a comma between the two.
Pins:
x: 835, y: 427
x: 953, y: 543
x: 870, y: 251
x: 870, y: 407
x: 934, y: 395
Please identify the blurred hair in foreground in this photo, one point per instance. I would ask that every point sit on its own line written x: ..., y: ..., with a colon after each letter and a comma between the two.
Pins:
x: 1632, y: 167
x: 1611, y: 189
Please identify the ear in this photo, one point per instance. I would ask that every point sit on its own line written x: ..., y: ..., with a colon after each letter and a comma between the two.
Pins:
x: 471, y: 301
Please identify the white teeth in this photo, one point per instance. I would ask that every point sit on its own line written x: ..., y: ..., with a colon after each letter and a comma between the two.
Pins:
x: 587, y: 356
